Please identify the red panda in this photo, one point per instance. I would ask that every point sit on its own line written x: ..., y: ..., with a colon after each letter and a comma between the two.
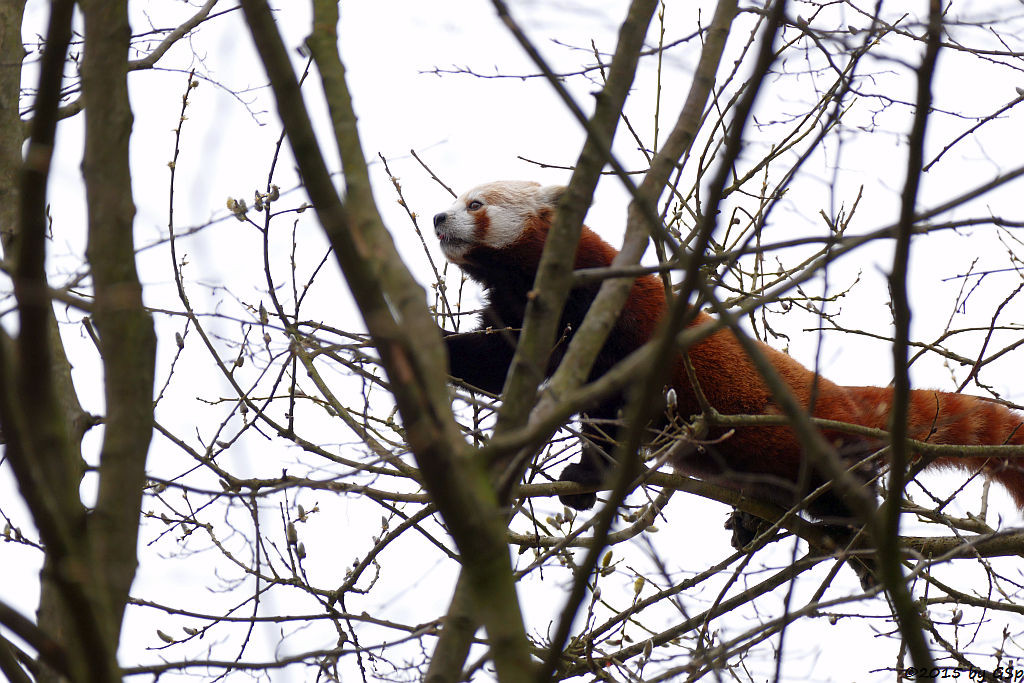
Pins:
x: 495, y: 233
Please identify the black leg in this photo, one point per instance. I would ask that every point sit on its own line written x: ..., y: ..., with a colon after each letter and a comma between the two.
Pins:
x: 480, y: 359
x: 598, y: 445
x: 744, y: 527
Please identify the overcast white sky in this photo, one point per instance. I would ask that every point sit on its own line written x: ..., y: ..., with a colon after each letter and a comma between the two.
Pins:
x: 471, y: 130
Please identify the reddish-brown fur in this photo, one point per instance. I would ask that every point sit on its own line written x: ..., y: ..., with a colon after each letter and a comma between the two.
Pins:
x: 733, y: 387
x: 764, y: 461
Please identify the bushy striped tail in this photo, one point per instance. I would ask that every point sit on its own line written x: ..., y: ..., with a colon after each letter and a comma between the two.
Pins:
x: 957, y: 419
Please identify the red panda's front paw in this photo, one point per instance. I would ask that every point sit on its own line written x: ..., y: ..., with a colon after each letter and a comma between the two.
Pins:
x: 744, y: 527
x: 586, y: 475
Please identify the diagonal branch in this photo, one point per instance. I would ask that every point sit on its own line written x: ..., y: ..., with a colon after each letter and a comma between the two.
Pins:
x: 554, y: 274
x: 646, y: 391
x: 392, y: 306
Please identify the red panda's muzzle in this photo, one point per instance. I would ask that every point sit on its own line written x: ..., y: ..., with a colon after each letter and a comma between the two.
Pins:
x: 452, y: 245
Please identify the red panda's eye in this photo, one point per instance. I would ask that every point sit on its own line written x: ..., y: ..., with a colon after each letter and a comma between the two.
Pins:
x: 474, y: 205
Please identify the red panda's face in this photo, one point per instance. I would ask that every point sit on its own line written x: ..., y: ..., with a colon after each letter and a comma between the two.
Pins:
x: 493, y: 216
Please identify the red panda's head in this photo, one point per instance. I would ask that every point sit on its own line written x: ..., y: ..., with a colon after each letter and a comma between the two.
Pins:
x: 495, y: 217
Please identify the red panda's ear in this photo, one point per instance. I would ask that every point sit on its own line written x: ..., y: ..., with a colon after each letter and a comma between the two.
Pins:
x: 551, y: 194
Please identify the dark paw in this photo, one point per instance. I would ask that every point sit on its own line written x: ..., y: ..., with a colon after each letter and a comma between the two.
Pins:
x: 580, y: 474
x: 744, y: 527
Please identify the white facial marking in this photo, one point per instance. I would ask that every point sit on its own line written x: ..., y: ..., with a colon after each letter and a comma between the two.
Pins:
x: 491, y: 215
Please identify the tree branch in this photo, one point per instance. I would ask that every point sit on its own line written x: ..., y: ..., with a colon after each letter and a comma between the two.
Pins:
x: 392, y: 307
x: 908, y: 615
x: 127, y: 339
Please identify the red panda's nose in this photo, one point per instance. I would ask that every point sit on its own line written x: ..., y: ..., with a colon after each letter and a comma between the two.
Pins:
x: 439, y: 218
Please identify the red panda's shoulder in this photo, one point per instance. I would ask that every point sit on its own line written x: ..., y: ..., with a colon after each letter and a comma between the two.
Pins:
x: 593, y: 251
